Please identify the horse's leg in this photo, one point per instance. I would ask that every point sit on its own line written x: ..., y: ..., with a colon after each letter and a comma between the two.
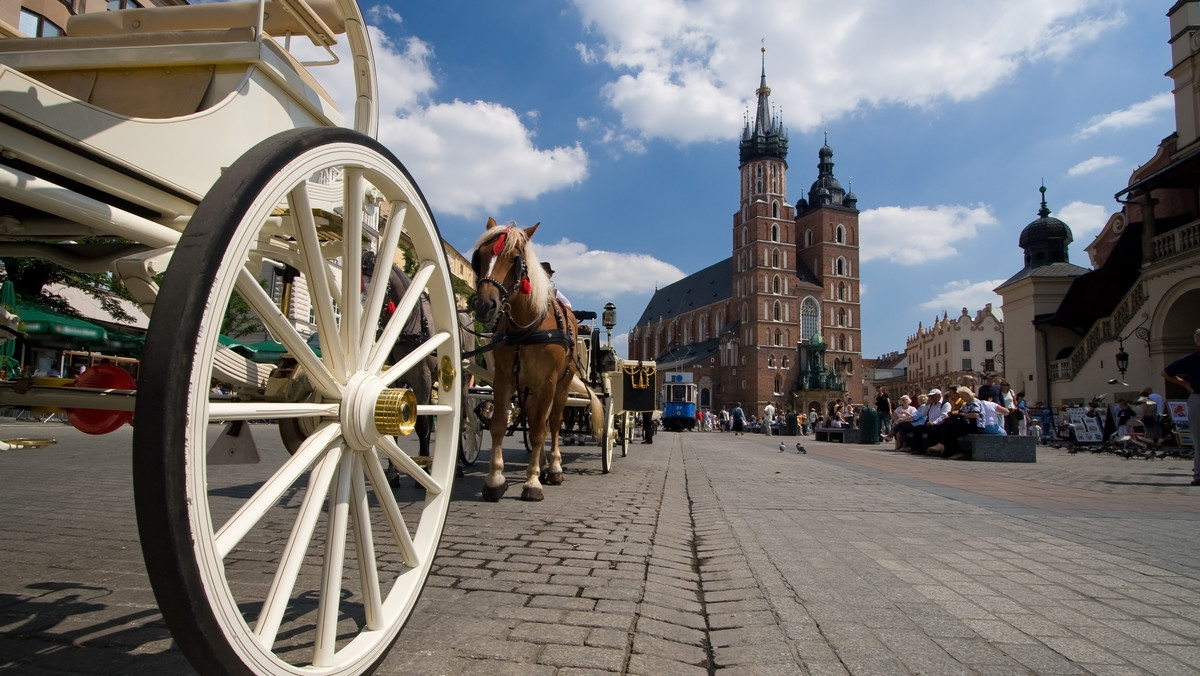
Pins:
x: 554, y: 473
x: 494, y: 483
x: 537, y: 409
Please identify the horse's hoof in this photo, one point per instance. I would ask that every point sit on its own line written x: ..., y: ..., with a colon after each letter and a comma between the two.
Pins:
x: 494, y: 494
x: 554, y: 479
x: 529, y: 494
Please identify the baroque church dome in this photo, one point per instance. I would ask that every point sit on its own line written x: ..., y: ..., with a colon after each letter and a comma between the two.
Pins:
x: 1046, y: 239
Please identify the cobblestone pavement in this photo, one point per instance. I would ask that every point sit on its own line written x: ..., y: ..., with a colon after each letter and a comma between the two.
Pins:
x: 698, y: 554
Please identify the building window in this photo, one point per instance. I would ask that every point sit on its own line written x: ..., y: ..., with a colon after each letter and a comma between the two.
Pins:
x: 966, y: 366
x: 778, y: 384
x: 778, y: 338
x: 776, y: 285
x: 758, y: 179
x: 987, y: 346
x: 777, y: 312
x: 809, y: 314
x: 123, y: 4
x: 839, y: 267
x: 745, y: 236
x: 774, y: 258
x: 842, y: 343
x: 785, y: 361
x: 840, y: 234
x: 37, y: 26
x: 841, y: 316
x: 841, y: 291
x: 966, y: 345
x: 808, y: 238
x: 989, y: 365
x: 775, y: 210
x: 775, y: 227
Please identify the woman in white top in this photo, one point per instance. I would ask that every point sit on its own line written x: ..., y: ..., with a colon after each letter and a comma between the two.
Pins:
x: 902, y: 419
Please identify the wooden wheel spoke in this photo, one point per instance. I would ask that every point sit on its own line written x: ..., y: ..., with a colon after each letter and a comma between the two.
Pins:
x: 353, y: 194
x: 318, y: 279
x: 265, y: 410
x: 408, y: 465
x: 250, y: 513
x: 294, y: 552
x: 383, y: 347
x: 283, y: 329
x: 364, y: 547
x: 329, y: 599
x: 410, y: 360
x: 379, y: 278
x: 391, y: 510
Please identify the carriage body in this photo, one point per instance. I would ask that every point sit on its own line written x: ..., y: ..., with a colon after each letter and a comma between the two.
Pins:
x: 186, y: 152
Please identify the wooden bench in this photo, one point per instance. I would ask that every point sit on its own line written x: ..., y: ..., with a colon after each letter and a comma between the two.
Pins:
x: 845, y: 435
x: 996, y: 448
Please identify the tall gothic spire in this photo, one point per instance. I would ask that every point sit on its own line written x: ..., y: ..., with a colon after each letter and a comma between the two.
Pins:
x: 766, y: 138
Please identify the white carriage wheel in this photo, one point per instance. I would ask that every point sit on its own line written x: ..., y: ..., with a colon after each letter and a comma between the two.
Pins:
x: 472, y: 437
x: 306, y: 563
x: 606, y: 436
x: 626, y: 429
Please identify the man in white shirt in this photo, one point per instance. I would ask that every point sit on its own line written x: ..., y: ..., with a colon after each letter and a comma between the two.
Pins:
x: 768, y: 416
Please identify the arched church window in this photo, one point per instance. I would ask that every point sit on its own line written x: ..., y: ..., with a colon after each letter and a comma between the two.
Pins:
x: 839, y: 266
x: 810, y: 313
x: 775, y: 209
x: 745, y: 236
x: 808, y: 240
x: 778, y: 384
x: 776, y: 285
x: 841, y: 342
x: 841, y: 291
x: 840, y: 234
x: 758, y: 179
x: 777, y: 312
x: 775, y: 227
x: 841, y: 316
x: 774, y: 258
x: 778, y: 337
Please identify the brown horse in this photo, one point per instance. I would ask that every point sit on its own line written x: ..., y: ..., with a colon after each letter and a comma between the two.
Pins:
x: 534, y: 338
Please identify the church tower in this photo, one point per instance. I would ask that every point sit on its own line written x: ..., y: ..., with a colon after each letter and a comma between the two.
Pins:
x: 827, y: 256
x: 764, y: 259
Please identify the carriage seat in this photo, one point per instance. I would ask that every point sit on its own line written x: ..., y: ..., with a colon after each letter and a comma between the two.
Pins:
x: 190, y: 56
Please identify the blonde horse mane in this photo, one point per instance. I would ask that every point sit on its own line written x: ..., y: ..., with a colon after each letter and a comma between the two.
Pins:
x: 516, y: 242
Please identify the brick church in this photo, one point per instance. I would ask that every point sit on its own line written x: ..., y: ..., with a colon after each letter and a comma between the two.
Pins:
x: 778, y: 321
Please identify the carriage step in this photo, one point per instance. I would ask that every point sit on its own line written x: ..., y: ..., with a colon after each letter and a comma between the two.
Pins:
x: 234, y: 446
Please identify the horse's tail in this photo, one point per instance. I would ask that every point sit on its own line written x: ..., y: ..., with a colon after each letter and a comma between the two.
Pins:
x: 594, y: 405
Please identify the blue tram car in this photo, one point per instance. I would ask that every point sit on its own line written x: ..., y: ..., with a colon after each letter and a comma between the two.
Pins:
x: 679, y: 396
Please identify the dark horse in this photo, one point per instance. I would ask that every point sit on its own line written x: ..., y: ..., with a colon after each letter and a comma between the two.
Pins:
x: 534, y: 344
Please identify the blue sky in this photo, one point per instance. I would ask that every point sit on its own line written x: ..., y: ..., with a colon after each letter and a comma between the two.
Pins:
x: 615, y: 124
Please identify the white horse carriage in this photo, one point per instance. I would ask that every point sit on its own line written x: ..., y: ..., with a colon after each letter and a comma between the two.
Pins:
x: 186, y: 151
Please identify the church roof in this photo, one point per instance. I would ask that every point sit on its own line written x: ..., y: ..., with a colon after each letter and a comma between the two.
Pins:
x: 707, y: 286
x: 673, y: 359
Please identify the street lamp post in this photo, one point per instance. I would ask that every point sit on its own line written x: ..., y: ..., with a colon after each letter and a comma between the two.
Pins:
x: 609, y: 319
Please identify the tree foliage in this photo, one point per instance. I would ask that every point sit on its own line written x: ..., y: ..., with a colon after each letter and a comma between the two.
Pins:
x: 32, y: 276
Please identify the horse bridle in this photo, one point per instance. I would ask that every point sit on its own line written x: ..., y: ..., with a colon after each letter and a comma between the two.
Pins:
x: 519, y: 269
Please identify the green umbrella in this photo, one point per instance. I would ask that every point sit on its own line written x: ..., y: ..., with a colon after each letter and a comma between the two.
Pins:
x: 267, y: 351
x: 44, y: 328
x: 238, y: 347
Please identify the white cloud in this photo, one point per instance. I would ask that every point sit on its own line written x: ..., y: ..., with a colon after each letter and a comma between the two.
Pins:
x: 970, y: 295
x: 683, y: 69
x: 598, y: 275
x: 1092, y: 164
x: 1085, y: 221
x: 470, y: 158
x: 917, y: 235
x: 1136, y: 115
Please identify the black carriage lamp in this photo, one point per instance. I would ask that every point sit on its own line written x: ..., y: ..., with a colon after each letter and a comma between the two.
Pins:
x: 1139, y: 331
x: 609, y: 319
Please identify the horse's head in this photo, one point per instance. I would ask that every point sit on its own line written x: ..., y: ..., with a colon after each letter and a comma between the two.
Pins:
x: 508, y: 277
